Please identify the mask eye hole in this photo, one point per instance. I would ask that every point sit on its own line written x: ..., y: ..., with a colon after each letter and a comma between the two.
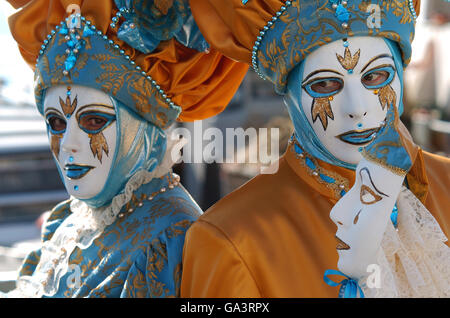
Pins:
x: 378, y: 77
x: 375, y: 78
x: 323, y: 87
x: 56, y: 123
x: 94, y: 122
x: 368, y: 196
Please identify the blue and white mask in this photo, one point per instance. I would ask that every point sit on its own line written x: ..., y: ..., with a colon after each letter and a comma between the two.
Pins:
x: 338, y: 96
x: 97, y: 142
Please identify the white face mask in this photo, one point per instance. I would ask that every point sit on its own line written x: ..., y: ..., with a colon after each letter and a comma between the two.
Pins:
x: 361, y: 217
x: 81, y: 125
x: 346, y: 88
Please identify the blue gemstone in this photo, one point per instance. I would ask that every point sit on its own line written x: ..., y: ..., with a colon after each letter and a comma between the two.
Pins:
x: 298, y: 149
x: 360, y: 125
x: 346, y: 44
x: 310, y: 164
x: 87, y: 31
x: 71, y: 43
x: 342, y: 193
x: 342, y: 13
x: 80, y: 44
x: 63, y: 30
x: 70, y: 159
x: 360, y: 149
x: 350, y: 71
x: 70, y: 62
x: 75, y: 188
x: 326, y: 178
x: 394, y: 216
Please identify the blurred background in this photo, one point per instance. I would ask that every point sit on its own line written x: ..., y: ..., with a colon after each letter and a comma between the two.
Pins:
x: 30, y: 183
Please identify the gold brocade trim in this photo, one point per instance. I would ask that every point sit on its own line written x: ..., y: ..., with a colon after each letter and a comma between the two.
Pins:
x: 340, y: 184
x: 396, y: 170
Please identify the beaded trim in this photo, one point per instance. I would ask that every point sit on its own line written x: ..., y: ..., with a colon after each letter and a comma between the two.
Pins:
x: 412, y: 10
x: 261, y: 35
x: 91, y: 29
x: 334, y: 181
x: 135, y: 203
x: 341, y: 13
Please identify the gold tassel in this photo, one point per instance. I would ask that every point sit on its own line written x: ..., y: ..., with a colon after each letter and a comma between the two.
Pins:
x: 321, y: 108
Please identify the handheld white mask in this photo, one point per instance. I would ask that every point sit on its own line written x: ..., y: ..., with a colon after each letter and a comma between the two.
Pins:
x: 361, y: 217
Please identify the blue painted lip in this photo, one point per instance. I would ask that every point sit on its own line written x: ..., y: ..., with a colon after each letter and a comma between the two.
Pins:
x: 75, y: 172
x: 358, y: 137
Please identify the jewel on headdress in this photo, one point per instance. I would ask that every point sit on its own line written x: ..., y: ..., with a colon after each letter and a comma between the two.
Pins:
x: 342, y: 13
x: 87, y: 31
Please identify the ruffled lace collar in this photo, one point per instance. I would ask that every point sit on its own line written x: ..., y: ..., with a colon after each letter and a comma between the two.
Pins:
x: 414, y: 260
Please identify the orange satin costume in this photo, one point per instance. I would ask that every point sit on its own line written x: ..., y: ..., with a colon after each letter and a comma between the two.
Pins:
x: 273, y: 236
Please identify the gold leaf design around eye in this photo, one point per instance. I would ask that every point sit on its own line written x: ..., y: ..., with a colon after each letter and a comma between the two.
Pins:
x: 321, y: 108
x: 98, y: 145
x: 55, y: 144
x: 68, y: 106
x: 348, y: 61
x: 387, y: 96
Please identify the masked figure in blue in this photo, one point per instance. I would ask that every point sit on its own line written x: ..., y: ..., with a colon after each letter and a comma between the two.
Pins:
x: 110, y: 78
